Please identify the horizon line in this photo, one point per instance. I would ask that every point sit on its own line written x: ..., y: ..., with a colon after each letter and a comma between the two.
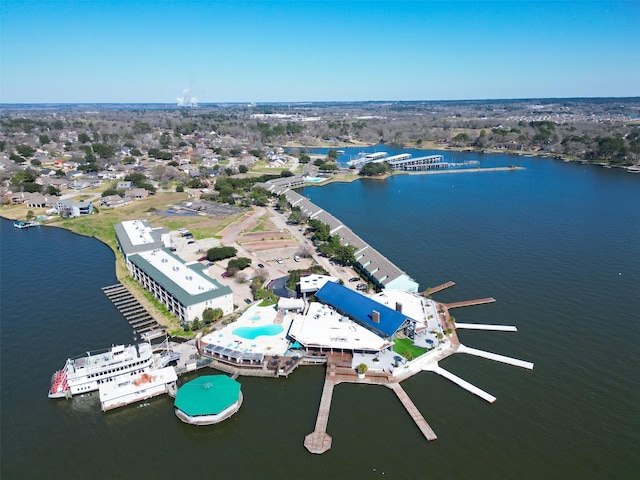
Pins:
x: 298, y: 102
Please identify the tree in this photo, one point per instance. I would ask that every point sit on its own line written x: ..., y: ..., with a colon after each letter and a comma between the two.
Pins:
x: 345, y: 254
x: 30, y: 215
x: 243, y: 169
x: 103, y: 151
x: 84, y: 138
x: 165, y: 140
x: 25, y: 150
x: 220, y: 253
x: 44, y: 139
x: 304, y: 158
x: 321, y: 231
x: 239, y: 263
x: 374, y: 169
x: 259, y: 196
x: 282, y: 203
x: 211, y: 315
x: 296, y: 217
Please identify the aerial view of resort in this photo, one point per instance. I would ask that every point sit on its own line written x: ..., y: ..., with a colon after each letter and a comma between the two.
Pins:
x: 330, y: 239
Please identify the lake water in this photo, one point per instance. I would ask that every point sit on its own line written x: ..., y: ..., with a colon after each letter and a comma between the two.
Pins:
x: 556, y: 244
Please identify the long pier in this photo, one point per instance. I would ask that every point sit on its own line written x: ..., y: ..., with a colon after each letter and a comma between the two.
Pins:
x: 495, y: 357
x: 435, y: 368
x: 479, y: 326
x: 422, y: 424
x: 319, y: 441
x: 468, y: 303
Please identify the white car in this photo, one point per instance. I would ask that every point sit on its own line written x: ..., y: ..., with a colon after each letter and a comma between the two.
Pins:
x: 279, y: 260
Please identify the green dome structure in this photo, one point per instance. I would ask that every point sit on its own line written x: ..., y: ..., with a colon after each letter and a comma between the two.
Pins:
x: 208, y: 399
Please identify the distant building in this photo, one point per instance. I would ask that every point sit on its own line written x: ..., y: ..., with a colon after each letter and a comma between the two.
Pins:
x: 114, y: 201
x: 136, y: 194
x: 124, y: 185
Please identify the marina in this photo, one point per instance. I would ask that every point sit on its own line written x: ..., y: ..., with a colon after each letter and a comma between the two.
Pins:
x: 361, y: 338
x: 539, y: 289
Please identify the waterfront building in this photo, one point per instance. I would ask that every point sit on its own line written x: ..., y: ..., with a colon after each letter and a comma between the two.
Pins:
x: 137, y: 236
x: 185, y: 289
x: 70, y: 208
x: 374, y: 266
x: 429, y: 162
x: 208, y: 399
x: 348, y: 321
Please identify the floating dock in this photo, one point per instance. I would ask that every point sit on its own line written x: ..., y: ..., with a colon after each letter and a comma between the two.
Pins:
x: 138, y: 317
x: 493, y: 328
x: 435, y: 368
x: 495, y: 357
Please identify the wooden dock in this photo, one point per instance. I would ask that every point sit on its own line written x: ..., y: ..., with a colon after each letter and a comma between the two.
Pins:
x: 432, y: 290
x: 319, y: 441
x: 468, y: 303
x: 422, y: 424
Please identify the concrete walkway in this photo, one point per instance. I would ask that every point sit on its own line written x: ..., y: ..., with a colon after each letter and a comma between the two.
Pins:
x: 479, y: 326
x: 435, y: 368
x: 495, y: 357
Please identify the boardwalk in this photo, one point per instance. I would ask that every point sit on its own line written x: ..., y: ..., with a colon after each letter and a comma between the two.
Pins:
x: 432, y: 290
x: 319, y: 441
x: 468, y: 303
x: 422, y: 424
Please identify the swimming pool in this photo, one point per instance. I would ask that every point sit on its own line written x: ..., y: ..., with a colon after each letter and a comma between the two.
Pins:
x: 251, y: 333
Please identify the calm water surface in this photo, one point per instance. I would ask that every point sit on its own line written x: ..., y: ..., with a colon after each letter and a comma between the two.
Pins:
x: 556, y: 244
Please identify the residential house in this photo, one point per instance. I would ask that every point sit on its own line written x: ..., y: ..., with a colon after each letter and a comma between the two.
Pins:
x: 38, y: 200
x: 69, y: 208
x: 136, y: 194
x: 114, y: 201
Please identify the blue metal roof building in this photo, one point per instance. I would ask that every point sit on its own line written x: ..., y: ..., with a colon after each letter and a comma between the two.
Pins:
x: 360, y: 308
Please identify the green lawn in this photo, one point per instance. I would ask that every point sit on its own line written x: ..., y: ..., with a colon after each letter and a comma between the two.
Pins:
x: 403, y: 345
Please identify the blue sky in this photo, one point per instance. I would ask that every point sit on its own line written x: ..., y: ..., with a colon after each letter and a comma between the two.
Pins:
x: 268, y: 51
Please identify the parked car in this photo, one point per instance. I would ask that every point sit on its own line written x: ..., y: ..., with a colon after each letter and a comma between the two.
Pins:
x: 354, y: 279
x: 260, y: 265
x: 248, y: 301
x: 226, y: 274
x: 202, y: 259
x: 190, y: 242
x: 279, y: 260
x: 296, y: 258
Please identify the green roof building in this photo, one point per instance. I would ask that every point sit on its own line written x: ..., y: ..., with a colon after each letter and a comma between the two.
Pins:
x: 208, y: 399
